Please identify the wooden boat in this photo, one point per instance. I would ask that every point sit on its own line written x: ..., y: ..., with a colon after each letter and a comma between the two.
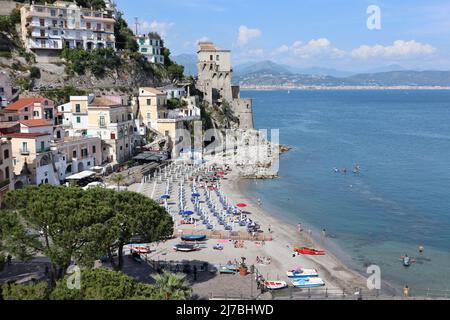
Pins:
x: 302, y: 273
x: 185, y: 248
x: 275, y: 285
x: 306, y: 283
x: 310, y: 251
x: 196, y: 237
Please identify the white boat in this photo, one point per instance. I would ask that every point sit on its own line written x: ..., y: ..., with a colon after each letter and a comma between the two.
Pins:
x: 302, y: 273
x: 275, y: 285
x: 306, y: 283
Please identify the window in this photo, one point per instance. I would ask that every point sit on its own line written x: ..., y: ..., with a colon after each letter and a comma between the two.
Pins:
x: 42, y: 33
x: 25, y: 146
x: 53, y: 12
x: 94, y: 149
x: 55, y: 32
x: 26, y: 109
x: 88, y: 25
x: 6, y: 154
x: 74, y: 154
x: 77, y: 108
x: 42, y: 22
x: 78, y: 119
x: 7, y: 172
x: 211, y: 57
x: 149, y: 102
x: 25, y: 118
x: 217, y: 57
x: 62, y: 108
x: 144, y: 50
x: 101, y: 121
x: 149, y: 115
x: 36, y: 113
x: 42, y: 146
x: 54, y: 23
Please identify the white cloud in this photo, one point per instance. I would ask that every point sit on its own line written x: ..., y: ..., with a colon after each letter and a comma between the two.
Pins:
x: 162, y: 27
x: 202, y: 39
x: 246, y: 34
x: 399, y: 48
x: 315, y: 47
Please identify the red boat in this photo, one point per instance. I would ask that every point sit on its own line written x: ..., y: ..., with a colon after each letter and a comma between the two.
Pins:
x: 309, y: 251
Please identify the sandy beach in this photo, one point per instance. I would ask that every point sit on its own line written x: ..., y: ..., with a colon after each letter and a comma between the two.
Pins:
x: 279, y: 252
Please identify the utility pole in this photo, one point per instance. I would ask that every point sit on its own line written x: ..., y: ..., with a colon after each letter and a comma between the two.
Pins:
x: 136, y: 22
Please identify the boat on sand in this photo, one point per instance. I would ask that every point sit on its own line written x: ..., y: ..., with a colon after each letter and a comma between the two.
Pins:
x: 310, y: 251
x: 195, y: 237
x: 275, y: 285
x: 185, y: 248
x: 306, y: 283
x: 302, y: 273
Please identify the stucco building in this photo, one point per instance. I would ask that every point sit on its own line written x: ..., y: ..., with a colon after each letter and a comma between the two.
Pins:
x: 151, y: 47
x: 48, y: 28
x: 6, y: 167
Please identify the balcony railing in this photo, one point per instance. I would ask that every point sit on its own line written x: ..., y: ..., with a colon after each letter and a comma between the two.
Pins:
x: 4, y: 183
x: 24, y: 152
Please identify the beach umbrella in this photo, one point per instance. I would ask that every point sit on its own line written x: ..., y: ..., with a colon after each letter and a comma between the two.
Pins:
x: 221, y: 173
x: 166, y: 196
x: 195, y: 195
x: 188, y: 213
x: 241, y: 205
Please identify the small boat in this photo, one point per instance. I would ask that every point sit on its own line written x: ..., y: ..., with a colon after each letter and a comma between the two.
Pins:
x: 141, y: 250
x: 185, y: 248
x: 219, y: 247
x: 309, y: 251
x: 275, y: 285
x: 302, y: 273
x: 306, y: 283
x: 197, y: 237
x: 407, y: 261
x: 229, y: 269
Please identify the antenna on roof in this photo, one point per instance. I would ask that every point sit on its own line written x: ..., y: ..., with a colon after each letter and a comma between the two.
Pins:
x: 136, y: 22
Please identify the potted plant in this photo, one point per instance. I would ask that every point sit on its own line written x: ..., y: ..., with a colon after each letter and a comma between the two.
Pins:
x: 243, y: 270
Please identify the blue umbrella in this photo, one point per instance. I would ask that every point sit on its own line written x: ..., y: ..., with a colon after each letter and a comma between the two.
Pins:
x: 166, y: 196
x: 188, y: 213
x: 195, y: 195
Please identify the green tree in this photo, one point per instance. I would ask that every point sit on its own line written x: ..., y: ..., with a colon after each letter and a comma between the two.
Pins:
x: 39, y: 291
x: 103, y: 284
x: 70, y: 224
x: 118, y: 179
x: 172, y: 286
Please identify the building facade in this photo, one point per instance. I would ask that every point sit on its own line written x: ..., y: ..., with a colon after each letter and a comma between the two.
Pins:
x: 5, y: 90
x: 151, y: 47
x: 6, y: 167
x: 48, y: 28
x: 109, y: 118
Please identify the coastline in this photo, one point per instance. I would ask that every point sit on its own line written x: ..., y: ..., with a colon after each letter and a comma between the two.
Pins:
x: 335, y: 272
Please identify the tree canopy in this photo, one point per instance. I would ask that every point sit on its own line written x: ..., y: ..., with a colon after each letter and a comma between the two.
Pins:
x: 72, y: 225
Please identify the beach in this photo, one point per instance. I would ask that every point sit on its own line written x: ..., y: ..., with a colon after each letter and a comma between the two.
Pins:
x: 272, y: 258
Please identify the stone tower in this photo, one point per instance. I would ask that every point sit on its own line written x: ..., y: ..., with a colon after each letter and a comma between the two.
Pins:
x: 214, y: 81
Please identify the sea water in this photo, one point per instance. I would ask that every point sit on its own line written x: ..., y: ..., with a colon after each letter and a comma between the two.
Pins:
x: 399, y: 201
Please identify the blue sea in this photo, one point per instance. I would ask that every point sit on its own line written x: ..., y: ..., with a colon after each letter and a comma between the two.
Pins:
x: 401, y: 198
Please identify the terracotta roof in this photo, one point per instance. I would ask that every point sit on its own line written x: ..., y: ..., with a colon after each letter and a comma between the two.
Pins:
x: 25, y: 135
x: 36, y: 123
x: 103, y: 102
x: 153, y: 90
x: 19, y: 104
x: 209, y: 46
x: 7, y: 125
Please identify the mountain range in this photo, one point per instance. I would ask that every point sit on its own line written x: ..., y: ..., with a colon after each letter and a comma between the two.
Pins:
x: 269, y: 73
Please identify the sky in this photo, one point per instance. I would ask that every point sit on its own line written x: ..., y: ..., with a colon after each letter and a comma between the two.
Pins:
x: 347, y: 35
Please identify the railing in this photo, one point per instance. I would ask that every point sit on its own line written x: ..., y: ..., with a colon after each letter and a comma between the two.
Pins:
x: 4, y: 183
x: 24, y: 152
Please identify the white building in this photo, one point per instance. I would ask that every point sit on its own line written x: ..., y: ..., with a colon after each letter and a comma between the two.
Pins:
x: 48, y: 28
x: 151, y: 47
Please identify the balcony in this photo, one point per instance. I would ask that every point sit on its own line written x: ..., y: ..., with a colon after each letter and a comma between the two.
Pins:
x: 4, y: 183
x: 24, y: 152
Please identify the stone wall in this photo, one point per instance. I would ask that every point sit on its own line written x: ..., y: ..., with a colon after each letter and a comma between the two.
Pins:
x: 243, y: 110
x: 6, y: 7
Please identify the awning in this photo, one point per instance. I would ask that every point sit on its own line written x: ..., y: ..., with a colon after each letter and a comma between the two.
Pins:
x: 81, y: 175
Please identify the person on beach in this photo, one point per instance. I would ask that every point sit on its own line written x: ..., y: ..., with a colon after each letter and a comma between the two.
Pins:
x: 324, y: 234
x: 421, y: 249
x: 299, y: 227
x: 406, y: 291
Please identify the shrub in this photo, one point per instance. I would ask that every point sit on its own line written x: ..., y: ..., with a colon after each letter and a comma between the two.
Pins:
x: 35, y: 73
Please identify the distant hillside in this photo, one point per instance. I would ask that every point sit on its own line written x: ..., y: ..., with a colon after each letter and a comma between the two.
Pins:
x: 403, y: 78
x: 381, y: 79
x: 266, y: 66
x: 189, y: 61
